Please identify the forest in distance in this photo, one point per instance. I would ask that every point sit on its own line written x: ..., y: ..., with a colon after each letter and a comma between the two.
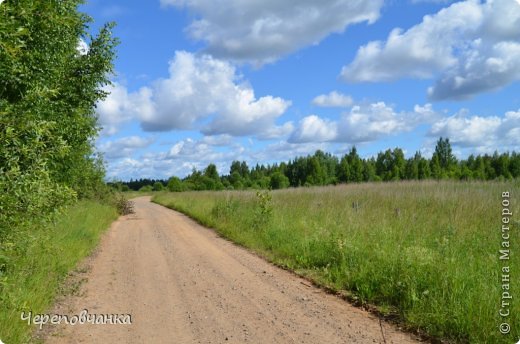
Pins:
x: 324, y: 168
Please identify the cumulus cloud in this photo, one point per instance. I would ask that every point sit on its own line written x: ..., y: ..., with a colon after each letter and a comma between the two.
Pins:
x: 284, y: 151
x: 483, y: 133
x: 333, y: 99
x: 363, y: 123
x: 124, y: 147
x: 120, y: 106
x: 470, y: 46
x: 370, y: 122
x: 314, y: 129
x: 485, y: 69
x: 277, y: 131
x: 262, y: 31
x: 199, y: 88
x: 179, y: 159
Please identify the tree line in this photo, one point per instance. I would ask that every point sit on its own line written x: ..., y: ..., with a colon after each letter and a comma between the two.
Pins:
x: 323, y: 168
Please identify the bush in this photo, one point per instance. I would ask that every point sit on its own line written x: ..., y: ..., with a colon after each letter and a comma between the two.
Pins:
x: 158, y: 186
x: 175, y: 185
x: 279, y: 181
x: 124, y: 206
x: 146, y: 188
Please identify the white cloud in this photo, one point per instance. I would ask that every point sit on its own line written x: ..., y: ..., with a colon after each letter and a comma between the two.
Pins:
x: 199, y: 88
x: 314, y: 129
x: 218, y: 140
x: 363, y: 123
x: 333, y: 99
x: 470, y: 46
x: 277, y: 131
x: 284, y: 151
x: 120, y: 107
x: 179, y: 159
x: 261, y: 31
x: 370, y: 122
x: 82, y: 48
x: 483, y: 133
x: 484, y: 69
x: 123, y: 147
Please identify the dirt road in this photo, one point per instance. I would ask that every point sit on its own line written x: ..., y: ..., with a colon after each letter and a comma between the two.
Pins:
x: 183, y: 284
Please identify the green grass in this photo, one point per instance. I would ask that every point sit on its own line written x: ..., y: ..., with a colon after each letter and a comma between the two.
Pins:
x: 426, y: 252
x: 40, y: 259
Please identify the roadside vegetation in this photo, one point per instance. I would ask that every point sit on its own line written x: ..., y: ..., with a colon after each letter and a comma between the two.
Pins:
x: 426, y: 253
x: 39, y: 260
x: 53, y: 198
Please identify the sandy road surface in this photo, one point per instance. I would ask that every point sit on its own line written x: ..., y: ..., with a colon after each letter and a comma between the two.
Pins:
x: 183, y: 284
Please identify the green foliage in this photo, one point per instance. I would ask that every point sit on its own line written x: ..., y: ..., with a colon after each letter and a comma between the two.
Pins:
x: 146, y: 188
x: 443, y: 154
x: 279, y: 181
x: 48, y: 92
x: 28, y: 190
x: 211, y: 172
x: 38, y: 257
x: 175, y: 184
x: 264, y: 212
x: 158, y: 186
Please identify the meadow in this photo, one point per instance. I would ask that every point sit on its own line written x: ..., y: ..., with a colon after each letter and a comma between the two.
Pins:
x: 38, y: 260
x: 425, y: 254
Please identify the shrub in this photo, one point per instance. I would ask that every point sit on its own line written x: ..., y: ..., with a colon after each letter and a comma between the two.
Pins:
x: 123, y: 205
x: 146, y: 188
x: 158, y: 186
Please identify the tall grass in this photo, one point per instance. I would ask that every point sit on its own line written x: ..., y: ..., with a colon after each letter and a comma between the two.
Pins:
x: 426, y: 252
x: 40, y: 260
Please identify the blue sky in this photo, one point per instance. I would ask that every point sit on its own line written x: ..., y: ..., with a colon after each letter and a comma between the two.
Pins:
x: 201, y: 81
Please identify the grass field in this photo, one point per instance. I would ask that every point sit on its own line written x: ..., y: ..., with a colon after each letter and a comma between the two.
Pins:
x: 40, y: 261
x: 426, y: 252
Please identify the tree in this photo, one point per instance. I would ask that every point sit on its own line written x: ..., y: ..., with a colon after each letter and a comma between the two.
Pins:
x: 244, y: 170
x: 158, y: 186
x: 279, y: 181
x: 356, y: 166
x: 514, y: 165
x: 48, y: 92
x: 384, y: 165
x: 211, y: 172
x: 344, y: 170
x: 436, y: 168
x: 315, y: 173
x: 175, y: 184
x: 236, y: 180
x: 412, y: 167
x: 500, y: 164
x: 443, y: 159
x: 369, y: 170
x: 424, y: 169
